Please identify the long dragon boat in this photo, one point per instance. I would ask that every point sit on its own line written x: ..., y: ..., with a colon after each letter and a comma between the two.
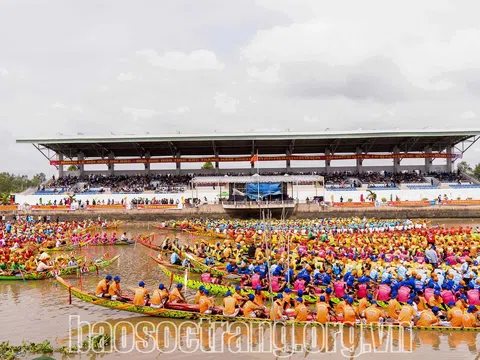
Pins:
x: 65, y: 271
x: 176, y: 267
x: 69, y: 247
x: 194, y: 315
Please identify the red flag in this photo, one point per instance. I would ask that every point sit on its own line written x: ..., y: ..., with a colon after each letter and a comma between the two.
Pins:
x: 254, y: 158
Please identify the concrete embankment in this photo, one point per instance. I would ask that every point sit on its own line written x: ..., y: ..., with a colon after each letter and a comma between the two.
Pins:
x: 300, y: 211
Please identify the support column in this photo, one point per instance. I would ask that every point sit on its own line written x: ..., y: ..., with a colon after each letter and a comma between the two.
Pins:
x: 217, y: 163
x: 396, y: 161
x: 327, y: 162
x: 449, y: 159
x: 147, y: 164
x: 60, y: 167
x: 287, y: 162
x: 359, y: 161
x: 178, y: 164
x: 111, y: 167
x: 81, y: 167
x: 428, y: 161
x: 252, y: 165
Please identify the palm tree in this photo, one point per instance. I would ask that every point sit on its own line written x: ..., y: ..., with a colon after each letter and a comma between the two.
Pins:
x: 5, y: 198
x: 371, y: 196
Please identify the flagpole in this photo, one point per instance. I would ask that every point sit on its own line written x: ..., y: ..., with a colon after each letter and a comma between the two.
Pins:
x: 258, y: 180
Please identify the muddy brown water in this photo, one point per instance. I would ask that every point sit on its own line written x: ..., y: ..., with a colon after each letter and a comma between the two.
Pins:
x: 39, y: 310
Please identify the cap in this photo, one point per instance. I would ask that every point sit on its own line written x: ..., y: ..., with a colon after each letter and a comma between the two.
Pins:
x: 161, y: 286
x: 369, y: 296
x: 205, y: 291
x: 299, y: 292
x: 108, y: 277
x: 451, y: 303
x: 471, y: 308
x: 288, y: 290
x: 299, y: 299
x: 141, y: 283
x: 328, y: 290
x: 322, y: 298
x: 350, y: 300
x: 435, y: 309
x: 228, y: 293
x: 251, y: 296
x: 116, y: 278
x: 258, y: 287
x: 279, y: 296
x: 179, y: 285
x: 237, y: 288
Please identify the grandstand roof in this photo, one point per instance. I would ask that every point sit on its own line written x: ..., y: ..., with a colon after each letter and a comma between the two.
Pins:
x: 265, y: 143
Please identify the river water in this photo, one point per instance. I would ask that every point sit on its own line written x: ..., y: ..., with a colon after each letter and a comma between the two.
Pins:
x: 40, y: 310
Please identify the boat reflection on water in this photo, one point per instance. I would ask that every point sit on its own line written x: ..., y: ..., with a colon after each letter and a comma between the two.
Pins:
x: 152, y: 335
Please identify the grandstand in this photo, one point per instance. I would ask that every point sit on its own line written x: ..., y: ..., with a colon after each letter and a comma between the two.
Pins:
x: 329, y: 149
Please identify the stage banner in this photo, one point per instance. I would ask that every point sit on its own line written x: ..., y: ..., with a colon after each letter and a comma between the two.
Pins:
x: 353, y: 204
x: 50, y: 208
x: 157, y: 206
x: 421, y: 203
x: 461, y: 202
x: 106, y: 207
x: 8, y: 207
x: 260, y: 158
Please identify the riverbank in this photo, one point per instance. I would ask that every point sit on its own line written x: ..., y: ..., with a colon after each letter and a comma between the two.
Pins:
x: 300, y: 211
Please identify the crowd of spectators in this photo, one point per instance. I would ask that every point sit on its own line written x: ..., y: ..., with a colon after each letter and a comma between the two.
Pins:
x: 447, y: 177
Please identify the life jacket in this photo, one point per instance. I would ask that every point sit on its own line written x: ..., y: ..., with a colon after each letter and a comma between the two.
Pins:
x: 388, y: 257
x: 447, y: 296
x: 339, y: 288
x: 274, y: 284
x: 362, y: 291
x: 256, y: 281
x: 206, y: 278
x: 473, y: 298
x: 420, y: 259
x: 452, y: 260
x: 418, y: 285
x: 429, y: 293
x: 383, y: 292
x: 318, y: 291
x: 403, y: 294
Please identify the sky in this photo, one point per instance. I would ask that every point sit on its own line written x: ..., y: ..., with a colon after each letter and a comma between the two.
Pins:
x: 135, y: 67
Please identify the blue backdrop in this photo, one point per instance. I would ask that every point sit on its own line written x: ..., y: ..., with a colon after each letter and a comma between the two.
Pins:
x: 264, y: 189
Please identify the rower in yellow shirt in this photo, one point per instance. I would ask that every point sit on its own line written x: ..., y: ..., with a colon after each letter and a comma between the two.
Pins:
x: 436, y: 300
x: 252, y: 310
x: 102, y: 287
x: 428, y: 317
x: 393, y: 308
x: 349, y: 312
x: 159, y: 297
x: 230, y: 305
x: 176, y: 296
x: 469, y: 319
x: 140, y: 294
x: 407, y: 313
x: 372, y: 314
x: 241, y: 299
x: 301, y: 311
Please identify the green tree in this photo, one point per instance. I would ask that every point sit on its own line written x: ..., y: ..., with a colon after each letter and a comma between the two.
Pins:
x: 207, y: 165
x: 10, y: 183
x: 476, y: 171
x: 464, y: 167
x: 371, y: 196
x: 72, y: 168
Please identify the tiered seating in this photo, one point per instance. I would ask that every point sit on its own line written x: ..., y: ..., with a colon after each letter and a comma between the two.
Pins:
x: 464, y: 186
x: 422, y: 187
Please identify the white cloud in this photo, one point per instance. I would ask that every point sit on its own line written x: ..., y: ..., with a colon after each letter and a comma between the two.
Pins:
x: 3, y: 72
x: 468, y: 115
x: 269, y: 75
x: 225, y: 103
x: 128, y: 77
x: 77, y: 108
x: 180, y: 110
x: 140, y: 113
x: 103, y: 88
x: 58, y: 105
x: 174, y: 60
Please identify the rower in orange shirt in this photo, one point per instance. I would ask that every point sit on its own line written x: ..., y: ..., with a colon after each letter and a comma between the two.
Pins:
x: 454, y: 315
x: 349, y: 312
x: 259, y: 296
x: 469, y: 319
x: 102, y: 287
x: 158, y: 297
x: 276, y: 314
x: 407, y: 312
x: 422, y: 302
x: 140, y: 294
x: 199, y: 294
x: 363, y: 303
x: 241, y: 299
x: 436, y: 300
x: 114, y: 290
x: 322, y: 310
x: 393, y: 308
x: 301, y: 311
x: 252, y: 310
x: 372, y: 314
x: 205, y: 303
x: 428, y: 317
x: 230, y: 304
x: 176, y: 296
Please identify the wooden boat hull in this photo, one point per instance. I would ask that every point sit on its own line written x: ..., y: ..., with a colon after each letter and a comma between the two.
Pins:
x: 63, y: 272
x: 190, y: 315
x: 176, y: 267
